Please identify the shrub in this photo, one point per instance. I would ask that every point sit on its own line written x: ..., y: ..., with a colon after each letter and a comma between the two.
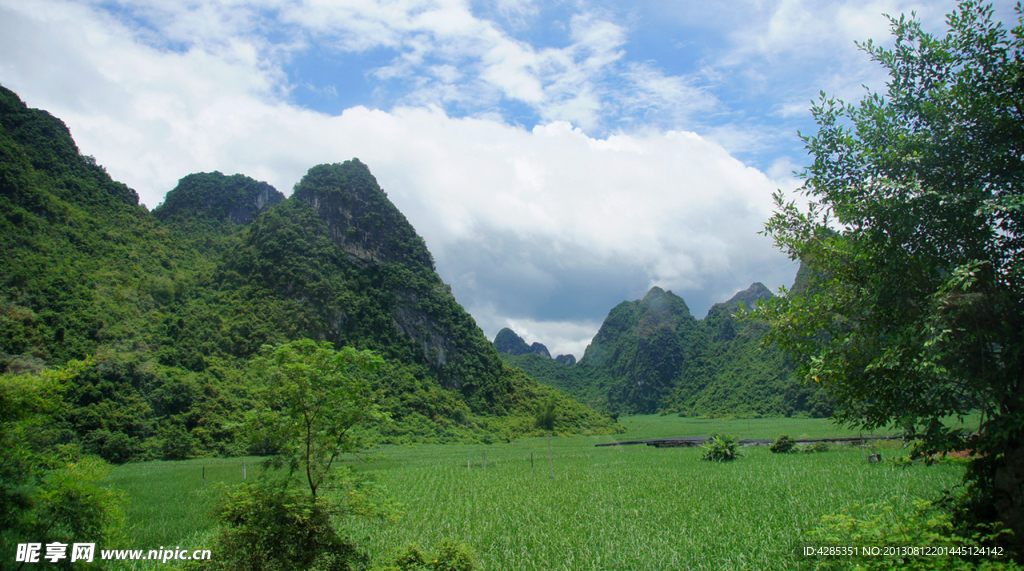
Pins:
x: 720, y: 449
x: 449, y: 556
x: 274, y: 527
x: 782, y: 445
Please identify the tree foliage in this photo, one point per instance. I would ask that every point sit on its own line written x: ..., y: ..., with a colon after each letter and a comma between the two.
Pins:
x: 268, y: 527
x: 313, y: 398
x: 782, y: 445
x: 449, y: 555
x: 915, y: 308
x: 48, y: 490
x: 546, y: 414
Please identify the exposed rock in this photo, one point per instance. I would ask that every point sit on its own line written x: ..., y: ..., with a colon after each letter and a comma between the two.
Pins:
x: 371, y: 230
x: 418, y: 326
x: 748, y: 297
x: 569, y: 360
x: 361, y: 218
x: 539, y: 349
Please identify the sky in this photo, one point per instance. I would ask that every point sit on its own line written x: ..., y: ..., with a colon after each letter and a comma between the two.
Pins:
x: 557, y: 157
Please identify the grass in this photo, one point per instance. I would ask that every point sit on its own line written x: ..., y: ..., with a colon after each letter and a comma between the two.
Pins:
x: 627, y: 507
x: 168, y: 502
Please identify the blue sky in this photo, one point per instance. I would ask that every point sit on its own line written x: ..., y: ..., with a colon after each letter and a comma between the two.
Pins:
x: 558, y: 157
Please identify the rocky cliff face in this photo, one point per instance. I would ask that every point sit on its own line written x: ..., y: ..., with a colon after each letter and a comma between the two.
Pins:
x: 376, y: 236
x: 721, y: 322
x: 748, y: 297
x: 362, y: 221
x: 506, y: 341
x: 435, y: 337
x: 539, y: 349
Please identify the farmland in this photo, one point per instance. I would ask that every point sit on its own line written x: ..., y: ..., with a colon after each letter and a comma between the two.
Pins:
x: 630, y: 507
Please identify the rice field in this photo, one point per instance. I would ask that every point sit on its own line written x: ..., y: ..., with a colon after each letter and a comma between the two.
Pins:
x: 626, y: 507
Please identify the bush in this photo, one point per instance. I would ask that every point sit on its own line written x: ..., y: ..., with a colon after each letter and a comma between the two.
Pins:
x: 449, y: 556
x: 782, y: 445
x: 720, y: 449
x: 273, y: 527
x: 816, y: 447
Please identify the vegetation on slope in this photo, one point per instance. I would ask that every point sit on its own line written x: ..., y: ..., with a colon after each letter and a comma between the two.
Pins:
x: 172, y: 306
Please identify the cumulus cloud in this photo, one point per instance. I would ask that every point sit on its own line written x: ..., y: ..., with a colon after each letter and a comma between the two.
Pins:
x: 776, y: 42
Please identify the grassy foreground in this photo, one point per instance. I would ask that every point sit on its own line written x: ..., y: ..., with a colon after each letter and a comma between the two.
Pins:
x: 628, y: 507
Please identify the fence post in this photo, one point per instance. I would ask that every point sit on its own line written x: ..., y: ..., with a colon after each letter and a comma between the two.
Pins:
x: 243, y: 469
x: 485, y: 461
x: 204, y: 476
x: 531, y: 465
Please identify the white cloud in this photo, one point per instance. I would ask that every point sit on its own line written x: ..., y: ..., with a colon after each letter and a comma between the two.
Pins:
x: 816, y: 40
x: 586, y: 81
x: 673, y: 96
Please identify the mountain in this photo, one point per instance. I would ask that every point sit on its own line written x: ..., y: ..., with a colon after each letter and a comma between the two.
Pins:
x: 641, y: 349
x: 651, y: 355
x: 506, y: 341
x: 215, y: 198
x: 170, y: 306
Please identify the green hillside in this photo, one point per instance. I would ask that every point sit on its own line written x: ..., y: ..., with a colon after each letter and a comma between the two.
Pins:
x: 652, y: 355
x: 170, y: 306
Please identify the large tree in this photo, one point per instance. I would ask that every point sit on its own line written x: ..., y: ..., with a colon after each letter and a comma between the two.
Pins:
x: 913, y: 236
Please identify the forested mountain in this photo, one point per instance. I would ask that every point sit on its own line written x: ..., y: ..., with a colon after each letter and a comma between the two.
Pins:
x: 170, y: 306
x: 506, y: 341
x: 652, y: 355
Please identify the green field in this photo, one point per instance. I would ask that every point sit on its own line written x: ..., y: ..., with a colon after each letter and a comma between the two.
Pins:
x: 626, y: 507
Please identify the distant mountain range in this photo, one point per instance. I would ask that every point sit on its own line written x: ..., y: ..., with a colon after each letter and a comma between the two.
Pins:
x: 652, y: 355
x: 509, y: 343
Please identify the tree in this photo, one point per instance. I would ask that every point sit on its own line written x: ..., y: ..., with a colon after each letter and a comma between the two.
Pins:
x: 314, y: 396
x: 268, y: 526
x: 913, y: 236
x: 545, y: 415
x: 48, y: 492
